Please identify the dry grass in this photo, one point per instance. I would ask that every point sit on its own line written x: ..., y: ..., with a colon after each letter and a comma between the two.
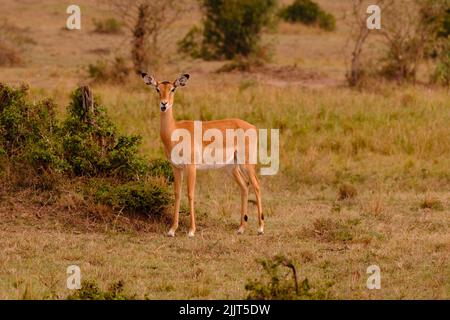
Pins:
x: 332, y: 251
x: 390, y: 144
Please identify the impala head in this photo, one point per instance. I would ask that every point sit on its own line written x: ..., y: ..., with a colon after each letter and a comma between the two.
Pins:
x: 165, y: 89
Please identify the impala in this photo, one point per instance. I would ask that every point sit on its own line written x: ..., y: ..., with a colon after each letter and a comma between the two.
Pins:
x: 243, y: 172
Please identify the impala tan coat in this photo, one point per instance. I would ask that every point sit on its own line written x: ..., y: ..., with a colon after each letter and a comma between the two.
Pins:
x: 244, y: 174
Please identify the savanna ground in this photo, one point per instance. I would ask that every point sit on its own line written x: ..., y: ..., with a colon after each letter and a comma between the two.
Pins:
x: 364, y: 175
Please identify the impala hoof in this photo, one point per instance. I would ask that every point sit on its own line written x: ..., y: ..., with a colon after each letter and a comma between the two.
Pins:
x: 191, y: 234
x: 260, y: 231
x: 171, y: 233
x: 240, y: 230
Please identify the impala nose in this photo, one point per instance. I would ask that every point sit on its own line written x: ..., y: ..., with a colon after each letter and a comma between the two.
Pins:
x: 163, y: 106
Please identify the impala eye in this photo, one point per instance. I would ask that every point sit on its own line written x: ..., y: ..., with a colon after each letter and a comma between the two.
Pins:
x: 157, y: 89
x: 172, y: 90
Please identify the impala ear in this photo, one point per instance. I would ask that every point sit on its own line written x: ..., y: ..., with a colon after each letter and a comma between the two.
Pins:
x: 148, y: 79
x: 181, y: 81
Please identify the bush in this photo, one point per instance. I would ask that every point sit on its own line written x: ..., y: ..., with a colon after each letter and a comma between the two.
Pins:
x: 90, y: 291
x: 441, y: 53
x: 192, y: 43
x: 231, y: 28
x: 413, y: 32
x: 327, y: 22
x: 110, y: 25
x: 116, y: 71
x: 85, y: 144
x: 161, y: 168
x: 304, y: 11
x: 329, y: 230
x: 441, y: 74
x: 150, y: 197
x: 309, y: 13
x: 98, y: 70
x: 92, y: 145
x: 282, y: 284
x: 29, y: 132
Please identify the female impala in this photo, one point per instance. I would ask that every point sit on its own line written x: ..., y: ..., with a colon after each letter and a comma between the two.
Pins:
x: 244, y: 173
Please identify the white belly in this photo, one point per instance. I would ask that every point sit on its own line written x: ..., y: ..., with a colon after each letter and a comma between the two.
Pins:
x: 205, y: 165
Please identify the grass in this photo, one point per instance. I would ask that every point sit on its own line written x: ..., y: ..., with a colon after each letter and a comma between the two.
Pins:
x: 388, y: 143
x: 109, y: 25
x: 329, y: 139
x: 333, y: 136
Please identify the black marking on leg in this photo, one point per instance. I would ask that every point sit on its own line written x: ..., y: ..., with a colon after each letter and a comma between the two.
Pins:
x: 262, y: 216
x: 245, y: 218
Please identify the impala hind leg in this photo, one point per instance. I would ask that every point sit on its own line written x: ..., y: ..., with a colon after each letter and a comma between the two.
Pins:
x: 242, y: 182
x: 191, y: 176
x: 251, y: 171
x: 177, y: 177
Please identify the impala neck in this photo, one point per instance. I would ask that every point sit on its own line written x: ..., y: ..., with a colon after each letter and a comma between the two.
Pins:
x: 167, y: 126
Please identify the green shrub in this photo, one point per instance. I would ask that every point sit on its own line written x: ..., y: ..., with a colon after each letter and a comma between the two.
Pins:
x: 161, y: 168
x: 327, y: 21
x: 92, y: 145
x: 91, y: 291
x: 109, y: 25
x: 150, y: 197
x: 231, y: 28
x: 192, y: 43
x: 29, y: 132
x: 309, y: 13
x: 304, y: 11
x: 282, y: 283
x: 85, y: 144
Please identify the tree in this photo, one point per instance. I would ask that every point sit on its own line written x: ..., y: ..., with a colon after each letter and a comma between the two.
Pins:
x: 358, y: 37
x: 436, y: 16
x: 148, y: 22
x: 406, y: 38
x: 411, y: 32
x: 231, y: 28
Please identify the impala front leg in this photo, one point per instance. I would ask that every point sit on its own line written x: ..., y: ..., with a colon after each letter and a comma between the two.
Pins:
x: 191, y: 175
x: 238, y: 176
x: 177, y: 177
